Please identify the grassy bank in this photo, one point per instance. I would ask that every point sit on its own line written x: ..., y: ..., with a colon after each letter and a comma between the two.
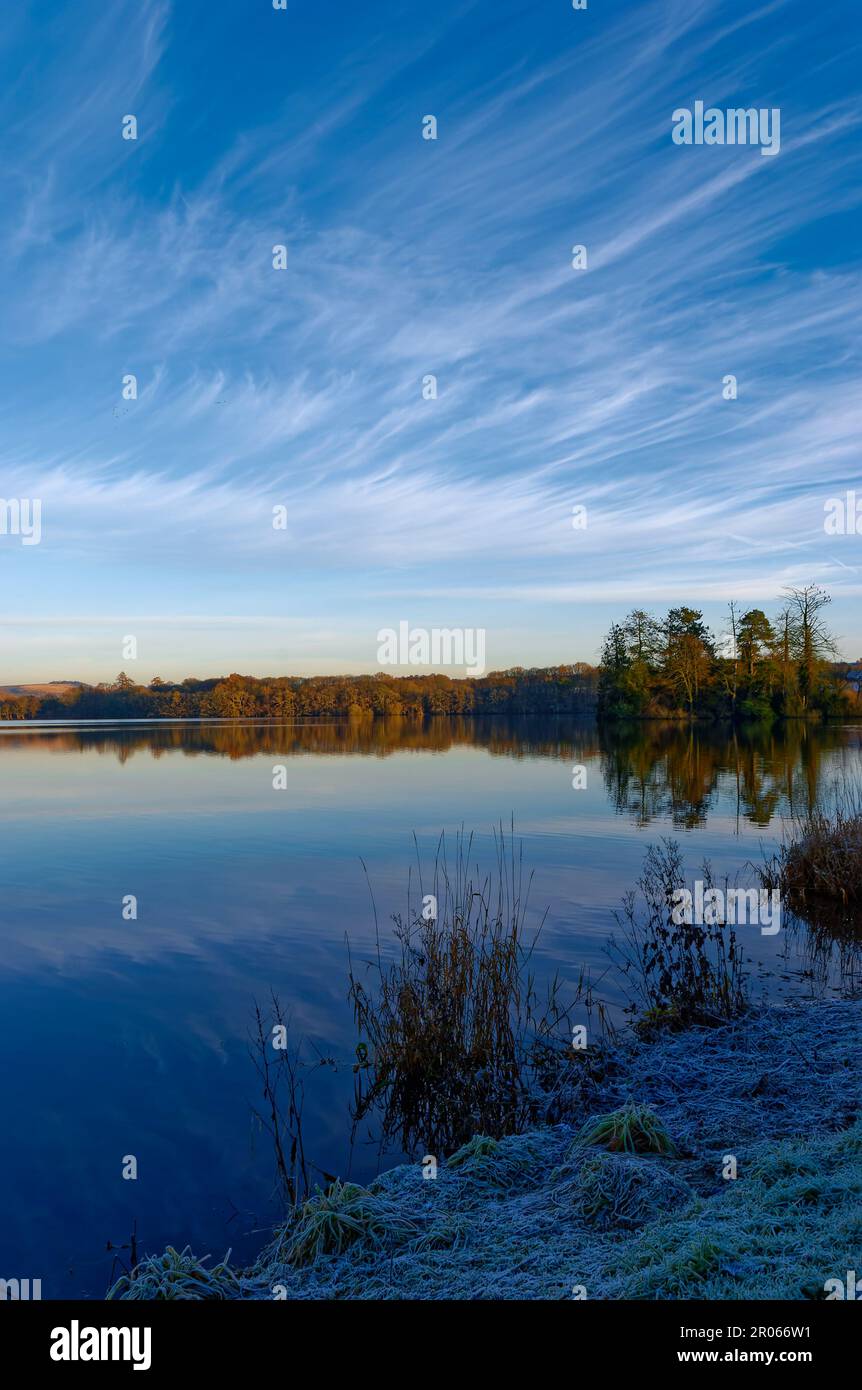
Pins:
x: 623, y: 1198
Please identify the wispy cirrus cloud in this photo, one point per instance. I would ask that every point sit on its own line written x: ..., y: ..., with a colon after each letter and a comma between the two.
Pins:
x: 407, y: 259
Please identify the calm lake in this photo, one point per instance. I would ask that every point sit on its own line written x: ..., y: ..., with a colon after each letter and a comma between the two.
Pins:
x: 131, y: 1037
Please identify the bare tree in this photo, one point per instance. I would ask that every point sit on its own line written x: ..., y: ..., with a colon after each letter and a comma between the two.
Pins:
x: 730, y: 666
x: 805, y: 633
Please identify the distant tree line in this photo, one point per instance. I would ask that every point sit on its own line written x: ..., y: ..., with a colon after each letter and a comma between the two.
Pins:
x: 757, y: 669
x: 552, y: 690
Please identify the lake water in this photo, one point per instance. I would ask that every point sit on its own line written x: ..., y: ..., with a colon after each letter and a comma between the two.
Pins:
x: 131, y: 1037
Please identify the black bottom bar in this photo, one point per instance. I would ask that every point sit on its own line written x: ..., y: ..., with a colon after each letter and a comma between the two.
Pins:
x: 628, y: 1338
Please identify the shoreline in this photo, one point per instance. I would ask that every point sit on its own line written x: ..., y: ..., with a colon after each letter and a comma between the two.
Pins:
x: 544, y: 1215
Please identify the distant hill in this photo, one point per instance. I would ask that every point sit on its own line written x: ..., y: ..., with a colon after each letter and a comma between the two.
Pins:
x: 48, y: 688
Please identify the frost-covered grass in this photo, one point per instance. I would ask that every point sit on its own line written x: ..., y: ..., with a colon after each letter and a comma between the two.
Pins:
x: 540, y: 1214
x: 178, y: 1275
x: 331, y: 1221
x: 772, y: 1233
x: 632, y: 1129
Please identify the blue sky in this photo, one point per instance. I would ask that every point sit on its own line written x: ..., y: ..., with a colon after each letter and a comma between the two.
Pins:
x: 303, y: 388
